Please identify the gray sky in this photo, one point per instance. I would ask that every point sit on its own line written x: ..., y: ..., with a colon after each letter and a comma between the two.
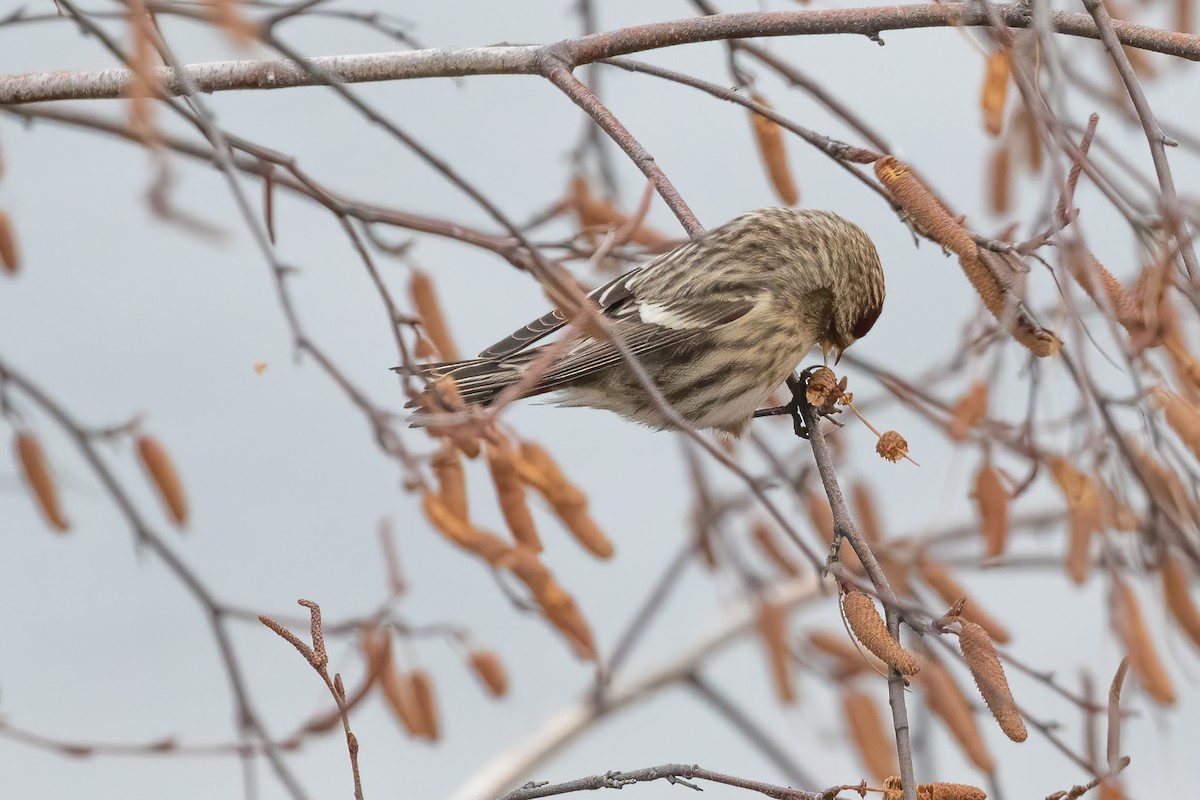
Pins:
x: 118, y: 314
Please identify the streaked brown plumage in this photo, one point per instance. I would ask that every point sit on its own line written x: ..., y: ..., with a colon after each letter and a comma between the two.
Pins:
x: 718, y: 323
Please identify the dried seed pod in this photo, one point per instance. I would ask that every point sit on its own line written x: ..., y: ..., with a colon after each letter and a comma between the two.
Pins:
x: 510, y: 492
x: 851, y: 659
x: 37, y: 475
x: 769, y: 136
x: 398, y: 691
x: 980, y: 655
x: 946, y: 699
x: 560, y: 609
x: 769, y: 544
x: 994, y: 94
x: 927, y: 214
x: 490, y: 670
x: 568, y: 501
x: 1179, y: 597
x: 821, y: 388
x: 950, y: 590
x: 451, y: 480
x: 773, y: 631
x: 1182, y: 416
x: 424, y: 299
x: 991, y: 498
x: 595, y: 214
x: 869, y: 627
x: 425, y: 703
x: 876, y: 747
x: 999, y: 180
x: 1031, y: 138
x: 162, y: 472
x: 892, y: 446
x: 1102, y: 287
x: 968, y: 411
x: 1165, y: 489
x: 10, y: 260
x: 1143, y: 657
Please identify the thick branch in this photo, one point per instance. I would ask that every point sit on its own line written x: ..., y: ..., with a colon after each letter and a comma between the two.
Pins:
x: 524, y: 59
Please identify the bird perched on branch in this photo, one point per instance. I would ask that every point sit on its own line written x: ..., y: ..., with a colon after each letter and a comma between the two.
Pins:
x: 717, y: 324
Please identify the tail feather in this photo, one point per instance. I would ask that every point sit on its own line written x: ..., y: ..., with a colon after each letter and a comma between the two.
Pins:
x: 478, y: 381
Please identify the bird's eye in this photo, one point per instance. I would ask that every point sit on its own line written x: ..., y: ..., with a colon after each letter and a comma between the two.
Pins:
x: 864, y: 324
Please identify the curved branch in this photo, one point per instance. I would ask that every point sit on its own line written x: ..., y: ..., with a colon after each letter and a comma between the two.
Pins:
x: 524, y: 59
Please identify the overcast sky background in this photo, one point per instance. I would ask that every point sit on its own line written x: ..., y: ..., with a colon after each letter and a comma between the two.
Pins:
x: 118, y: 314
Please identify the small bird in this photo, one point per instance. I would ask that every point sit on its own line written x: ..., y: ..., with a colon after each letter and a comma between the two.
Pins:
x: 718, y: 324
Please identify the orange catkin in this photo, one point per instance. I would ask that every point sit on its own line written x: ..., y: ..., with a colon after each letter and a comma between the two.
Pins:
x: 869, y: 627
x: 768, y: 543
x: 991, y: 498
x: 772, y: 629
x: 864, y: 508
x: 946, y: 699
x: 769, y: 136
x: 850, y: 659
x: 459, y: 531
x: 968, y: 411
x: 162, y: 472
x: 451, y: 480
x: 933, y: 220
x: 893, y: 789
x: 999, y: 180
x: 489, y: 668
x: 511, y: 494
x: 425, y: 703
x: 874, y: 742
x: 994, y: 94
x: 10, y: 261
x: 1182, y: 416
x: 950, y: 590
x: 37, y: 475
x: 569, y: 502
x: 424, y: 299
x: 1179, y: 597
x: 1143, y: 657
x: 980, y: 655
x: 1084, y: 517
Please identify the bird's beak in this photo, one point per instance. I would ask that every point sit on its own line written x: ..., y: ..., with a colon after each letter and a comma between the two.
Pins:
x: 838, y: 359
x: 828, y: 347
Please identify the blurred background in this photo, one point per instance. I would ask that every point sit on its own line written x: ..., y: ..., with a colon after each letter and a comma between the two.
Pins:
x: 119, y: 313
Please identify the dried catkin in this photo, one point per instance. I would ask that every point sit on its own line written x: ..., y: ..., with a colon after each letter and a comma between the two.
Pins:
x: 10, y: 261
x: 425, y: 703
x: 510, y: 492
x: 490, y: 671
x: 537, y: 468
x: 947, y: 700
x: 769, y: 136
x: 769, y: 544
x: 773, y: 631
x: 991, y: 498
x: 950, y: 590
x: 595, y: 214
x: 850, y: 658
x: 162, y: 472
x: 1179, y: 597
x: 1143, y: 657
x: 999, y: 180
x: 994, y: 93
x: 869, y: 627
x: 863, y: 500
x: 968, y: 411
x: 37, y: 475
x: 875, y: 743
x: 893, y: 789
x: 980, y: 655
x: 931, y: 219
x: 451, y: 480
x: 1083, y: 516
x: 424, y: 299
x: 459, y: 531
x: 1182, y: 416
x: 1102, y: 287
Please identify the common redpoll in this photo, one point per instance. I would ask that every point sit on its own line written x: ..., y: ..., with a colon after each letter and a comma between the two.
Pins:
x: 717, y: 323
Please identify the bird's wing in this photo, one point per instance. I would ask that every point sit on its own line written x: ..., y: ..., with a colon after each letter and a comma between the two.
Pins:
x: 606, y: 296
x: 644, y: 327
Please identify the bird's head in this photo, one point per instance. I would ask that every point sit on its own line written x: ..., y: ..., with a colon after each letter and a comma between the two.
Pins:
x: 857, y: 284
